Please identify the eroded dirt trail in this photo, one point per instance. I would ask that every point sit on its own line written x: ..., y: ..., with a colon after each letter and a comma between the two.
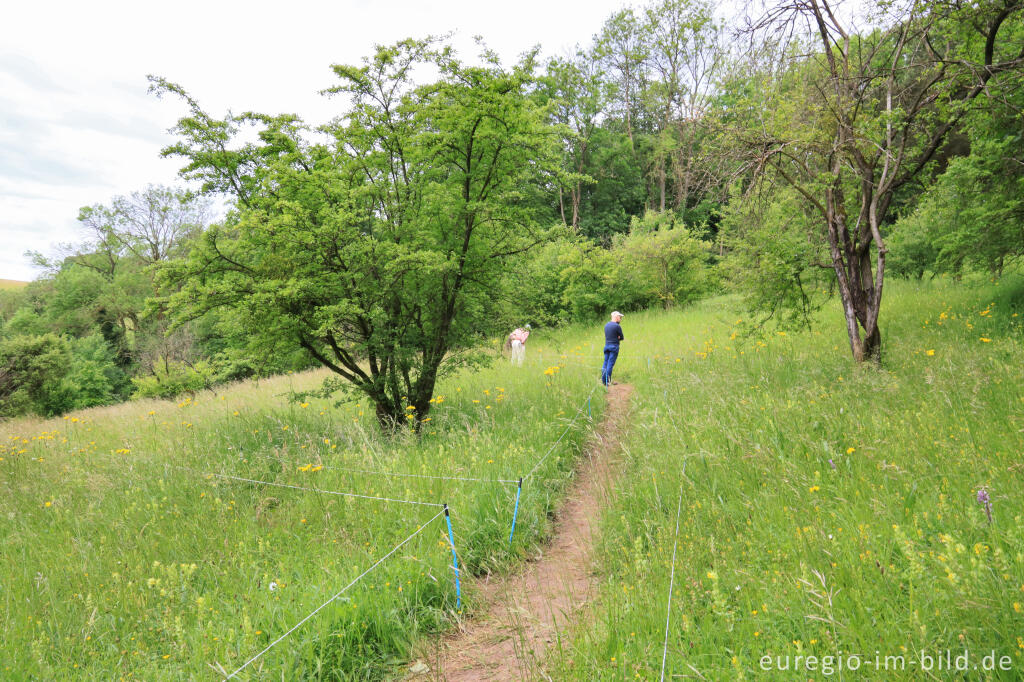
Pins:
x: 523, y: 613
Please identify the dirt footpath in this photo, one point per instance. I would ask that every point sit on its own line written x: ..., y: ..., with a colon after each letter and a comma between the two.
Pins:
x: 523, y: 613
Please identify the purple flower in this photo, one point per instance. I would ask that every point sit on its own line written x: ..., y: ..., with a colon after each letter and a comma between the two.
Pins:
x: 985, y: 501
x: 832, y: 464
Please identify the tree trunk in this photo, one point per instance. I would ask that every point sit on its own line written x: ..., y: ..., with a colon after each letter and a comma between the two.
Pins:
x: 849, y: 312
x: 422, y: 395
x: 629, y: 125
x: 860, y: 300
x: 873, y: 344
x: 386, y: 416
x: 661, y: 186
x: 576, y: 196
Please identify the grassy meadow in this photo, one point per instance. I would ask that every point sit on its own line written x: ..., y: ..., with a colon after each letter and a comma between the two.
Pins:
x: 122, y: 557
x: 826, y: 510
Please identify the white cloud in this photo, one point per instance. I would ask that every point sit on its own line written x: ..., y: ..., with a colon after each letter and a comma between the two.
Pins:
x: 77, y: 126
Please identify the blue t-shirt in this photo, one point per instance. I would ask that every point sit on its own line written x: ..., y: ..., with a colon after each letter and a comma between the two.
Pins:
x: 613, y: 334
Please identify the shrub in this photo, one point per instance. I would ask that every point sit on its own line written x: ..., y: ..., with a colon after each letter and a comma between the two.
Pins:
x: 172, y: 379
x: 31, y: 368
x: 660, y: 263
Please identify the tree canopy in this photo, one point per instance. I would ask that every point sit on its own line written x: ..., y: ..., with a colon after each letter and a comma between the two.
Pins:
x: 375, y: 243
x: 810, y: 153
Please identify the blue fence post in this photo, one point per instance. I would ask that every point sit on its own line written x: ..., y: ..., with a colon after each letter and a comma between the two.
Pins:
x: 588, y: 407
x: 455, y: 559
x: 515, y: 513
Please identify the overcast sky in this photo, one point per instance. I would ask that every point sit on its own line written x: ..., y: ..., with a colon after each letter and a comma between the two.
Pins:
x: 77, y: 126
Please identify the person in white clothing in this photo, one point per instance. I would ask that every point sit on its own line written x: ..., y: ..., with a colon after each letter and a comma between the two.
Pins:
x: 516, y: 343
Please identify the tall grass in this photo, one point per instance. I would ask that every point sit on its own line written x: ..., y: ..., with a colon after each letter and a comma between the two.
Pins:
x: 122, y: 556
x: 828, y: 510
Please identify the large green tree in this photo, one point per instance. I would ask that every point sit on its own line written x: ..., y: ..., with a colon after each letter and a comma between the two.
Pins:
x: 375, y: 243
x: 864, y: 117
x: 973, y: 215
x: 660, y: 67
x: 686, y: 56
x: 577, y: 91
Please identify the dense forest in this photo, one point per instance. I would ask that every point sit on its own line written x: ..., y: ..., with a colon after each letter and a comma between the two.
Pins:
x: 796, y: 156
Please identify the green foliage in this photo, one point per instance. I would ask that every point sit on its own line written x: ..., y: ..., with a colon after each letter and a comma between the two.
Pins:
x: 77, y: 298
x: 856, y: 124
x: 972, y: 217
x: 373, y: 246
x: 378, y: 252
x: 660, y: 263
x: 172, y: 379
x: 95, y: 295
x: 575, y: 92
x: 25, y: 322
x: 537, y: 286
x: 31, y: 369
x: 777, y: 258
x: 51, y: 375
x: 912, y: 247
x: 586, y: 277
x: 617, y: 192
x: 96, y: 377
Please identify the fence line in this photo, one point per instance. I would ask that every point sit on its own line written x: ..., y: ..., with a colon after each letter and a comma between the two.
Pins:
x: 671, y: 581
x: 343, y: 590
x: 519, y: 490
x: 386, y: 473
x: 298, y: 487
x: 555, y: 444
x: 444, y: 511
x: 455, y: 559
x: 576, y: 360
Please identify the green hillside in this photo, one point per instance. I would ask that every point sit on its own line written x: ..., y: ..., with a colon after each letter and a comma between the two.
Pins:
x: 827, y: 511
x: 825, y: 508
x: 128, y: 552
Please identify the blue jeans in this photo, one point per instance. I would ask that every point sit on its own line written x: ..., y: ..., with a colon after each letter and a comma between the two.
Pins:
x: 611, y: 353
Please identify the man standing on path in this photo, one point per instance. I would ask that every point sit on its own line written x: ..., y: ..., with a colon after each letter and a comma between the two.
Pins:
x: 612, y: 337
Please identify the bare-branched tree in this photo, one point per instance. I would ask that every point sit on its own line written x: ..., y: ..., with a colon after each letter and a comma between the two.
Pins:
x: 858, y: 115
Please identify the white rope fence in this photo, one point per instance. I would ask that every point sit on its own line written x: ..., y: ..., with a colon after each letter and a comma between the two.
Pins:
x: 443, y: 511
x: 338, y: 594
x: 555, y: 444
x: 299, y: 487
x: 671, y: 582
x: 374, y: 472
x: 397, y: 547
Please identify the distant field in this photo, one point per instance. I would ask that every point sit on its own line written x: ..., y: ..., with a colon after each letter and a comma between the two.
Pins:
x: 11, y: 284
